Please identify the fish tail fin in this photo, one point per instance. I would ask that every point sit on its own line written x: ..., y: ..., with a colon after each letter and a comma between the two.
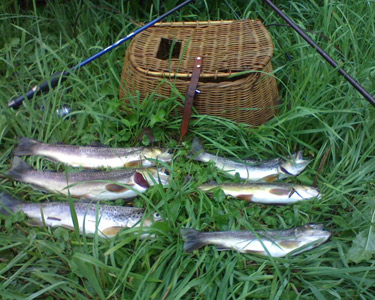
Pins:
x: 196, y: 148
x: 193, y: 240
x: 26, y: 147
x: 8, y: 203
x: 19, y: 167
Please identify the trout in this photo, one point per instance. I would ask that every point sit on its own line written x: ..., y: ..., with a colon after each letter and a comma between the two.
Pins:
x: 94, y: 185
x: 108, y: 219
x: 277, y: 243
x: 91, y: 157
x: 266, y: 193
x: 264, y: 171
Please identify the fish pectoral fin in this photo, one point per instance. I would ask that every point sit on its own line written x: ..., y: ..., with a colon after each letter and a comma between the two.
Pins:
x: 257, y: 252
x: 133, y: 164
x: 289, y: 244
x: 111, y: 231
x: 271, y: 178
x: 280, y: 191
x: 116, y: 188
x: 221, y: 248
x: 247, y: 197
x: 34, y: 222
x: 38, y: 187
x: 67, y: 226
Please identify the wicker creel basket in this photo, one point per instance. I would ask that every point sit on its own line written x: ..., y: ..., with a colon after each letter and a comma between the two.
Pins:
x: 235, y: 81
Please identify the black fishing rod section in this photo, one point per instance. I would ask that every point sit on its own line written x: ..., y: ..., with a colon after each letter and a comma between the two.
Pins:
x: 47, y: 85
x: 324, y: 54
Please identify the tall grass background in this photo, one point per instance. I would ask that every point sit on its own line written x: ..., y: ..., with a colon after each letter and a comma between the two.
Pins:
x: 320, y: 113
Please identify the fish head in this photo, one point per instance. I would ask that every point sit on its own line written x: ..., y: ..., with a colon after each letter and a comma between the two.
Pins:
x: 310, y: 236
x: 156, y: 217
x: 155, y: 176
x: 164, y: 155
x: 295, y: 164
x: 208, y: 187
x: 307, y: 192
x: 158, y: 154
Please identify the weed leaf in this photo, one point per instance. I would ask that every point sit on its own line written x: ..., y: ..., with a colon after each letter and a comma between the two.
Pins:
x: 363, y: 247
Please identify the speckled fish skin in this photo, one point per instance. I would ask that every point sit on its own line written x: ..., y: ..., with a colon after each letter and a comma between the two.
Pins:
x: 111, y: 219
x: 266, y: 171
x: 94, y: 157
x: 266, y: 193
x: 277, y: 243
x: 94, y: 185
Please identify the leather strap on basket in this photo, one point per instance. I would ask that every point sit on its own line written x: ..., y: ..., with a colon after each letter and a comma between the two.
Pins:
x: 192, y: 90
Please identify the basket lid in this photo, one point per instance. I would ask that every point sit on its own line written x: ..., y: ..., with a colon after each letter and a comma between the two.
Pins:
x: 227, y: 48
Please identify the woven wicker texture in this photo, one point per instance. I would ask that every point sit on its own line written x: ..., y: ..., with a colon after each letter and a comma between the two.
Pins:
x: 166, y: 52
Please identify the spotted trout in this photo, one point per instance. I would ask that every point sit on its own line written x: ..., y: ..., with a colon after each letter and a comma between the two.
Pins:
x: 265, y: 171
x: 91, y: 157
x: 266, y: 193
x: 94, y: 185
x: 277, y: 243
x: 108, y: 219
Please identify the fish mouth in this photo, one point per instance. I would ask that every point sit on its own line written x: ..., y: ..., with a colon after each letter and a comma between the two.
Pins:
x: 165, y: 156
x: 295, y: 164
x: 317, y: 232
x: 311, y: 235
x: 307, y: 192
x: 155, y: 176
x: 294, y: 168
x: 147, y: 222
x: 320, y: 237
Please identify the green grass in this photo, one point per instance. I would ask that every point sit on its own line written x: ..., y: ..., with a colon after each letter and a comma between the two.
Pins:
x: 321, y: 113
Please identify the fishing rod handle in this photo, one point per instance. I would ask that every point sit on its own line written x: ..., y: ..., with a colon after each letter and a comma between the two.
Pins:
x: 44, y: 87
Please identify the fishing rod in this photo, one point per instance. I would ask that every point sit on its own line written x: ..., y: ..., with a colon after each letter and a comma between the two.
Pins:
x: 324, y: 54
x: 47, y: 85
